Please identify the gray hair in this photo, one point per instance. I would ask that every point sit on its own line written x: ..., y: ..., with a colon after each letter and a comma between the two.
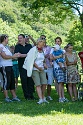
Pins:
x: 39, y: 40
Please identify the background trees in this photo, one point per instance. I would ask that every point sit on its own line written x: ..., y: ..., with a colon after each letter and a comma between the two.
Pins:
x: 35, y: 17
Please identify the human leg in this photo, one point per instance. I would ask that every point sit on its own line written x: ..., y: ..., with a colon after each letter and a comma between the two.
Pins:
x: 70, y: 90
x: 74, y: 91
x: 30, y: 85
x: 49, y: 82
x: 39, y: 91
x: 24, y: 82
x: 48, y: 90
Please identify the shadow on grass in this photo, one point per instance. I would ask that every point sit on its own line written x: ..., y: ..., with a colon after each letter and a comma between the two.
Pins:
x: 31, y: 108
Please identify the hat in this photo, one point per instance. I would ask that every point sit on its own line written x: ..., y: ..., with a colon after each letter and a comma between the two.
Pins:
x: 57, y: 46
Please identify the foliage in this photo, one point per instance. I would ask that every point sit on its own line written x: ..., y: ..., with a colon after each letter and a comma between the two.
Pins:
x: 75, y: 36
x: 49, y: 17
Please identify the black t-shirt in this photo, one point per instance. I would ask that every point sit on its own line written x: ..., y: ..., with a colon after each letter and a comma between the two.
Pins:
x: 23, y: 50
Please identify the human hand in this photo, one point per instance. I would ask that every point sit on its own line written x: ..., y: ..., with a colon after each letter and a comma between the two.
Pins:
x: 17, y: 55
x: 40, y: 69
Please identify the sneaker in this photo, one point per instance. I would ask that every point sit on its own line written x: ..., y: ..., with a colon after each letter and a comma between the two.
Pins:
x: 40, y: 101
x: 65, y: 99
x: 44, y: 100
x: 49, y: 98
x: 61, y: 100
x: 8, y: 99
x: 16, y: 99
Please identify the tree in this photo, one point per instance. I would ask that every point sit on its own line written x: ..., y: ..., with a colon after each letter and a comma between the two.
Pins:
x: 76, y: 5
x: 59, y: 8
x: 50, y: 10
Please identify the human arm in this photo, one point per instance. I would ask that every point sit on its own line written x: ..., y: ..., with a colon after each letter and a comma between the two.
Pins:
x: 31, y: 38
x: 39, y: 68
x: 18, y: 50
x: 4, y: 56
x: 74, y: 62
x: 52, y: 57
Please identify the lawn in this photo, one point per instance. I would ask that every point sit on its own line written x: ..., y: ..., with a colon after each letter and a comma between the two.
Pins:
x: 30, y: 113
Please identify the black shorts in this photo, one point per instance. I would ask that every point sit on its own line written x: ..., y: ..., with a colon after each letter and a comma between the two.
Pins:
x: 8, y: 78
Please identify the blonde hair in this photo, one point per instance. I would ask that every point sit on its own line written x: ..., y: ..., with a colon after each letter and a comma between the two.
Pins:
x: 39, y: 40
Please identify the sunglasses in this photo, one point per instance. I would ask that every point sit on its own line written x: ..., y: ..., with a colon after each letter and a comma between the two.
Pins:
x: 43, y: 38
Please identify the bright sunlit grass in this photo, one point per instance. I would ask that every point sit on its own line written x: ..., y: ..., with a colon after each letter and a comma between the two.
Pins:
x: 30, y: 113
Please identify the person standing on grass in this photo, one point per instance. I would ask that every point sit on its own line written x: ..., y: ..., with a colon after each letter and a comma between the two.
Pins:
x: 34, y: 64
x: 72, y: 72
x: 27, y: 82
x: 15, y: 67
x: 6, y: 69
x: 59, y: 74
x: 49, y: 72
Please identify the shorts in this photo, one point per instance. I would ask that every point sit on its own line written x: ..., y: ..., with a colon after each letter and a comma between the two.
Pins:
x: 8, y: 78
x: 16, y: 70
x: 39, y: 78
x: 1, y: 80
x: 50, y: 76
x: 59, y: 75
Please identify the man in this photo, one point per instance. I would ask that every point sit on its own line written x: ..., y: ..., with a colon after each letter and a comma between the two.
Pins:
x: 27, y: 83
x: 46, y: 51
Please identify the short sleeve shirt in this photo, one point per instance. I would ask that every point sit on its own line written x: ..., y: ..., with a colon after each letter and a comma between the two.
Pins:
x: 23, y: 50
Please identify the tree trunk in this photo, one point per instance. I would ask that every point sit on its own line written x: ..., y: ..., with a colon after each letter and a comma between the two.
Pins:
x: 81, y: 18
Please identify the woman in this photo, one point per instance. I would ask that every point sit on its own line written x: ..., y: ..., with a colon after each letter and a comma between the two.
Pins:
x: 34, y: 64
x: 7, y: 71
x: 73, y: 77
x: 59, y: 74
x: 49, y: 71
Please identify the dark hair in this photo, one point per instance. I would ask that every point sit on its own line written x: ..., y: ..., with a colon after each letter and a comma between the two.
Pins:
x: 69, y: 44
x: 43, y: 35
x: 3, y: 37
x: 21, y: 35
x: 58, y: 38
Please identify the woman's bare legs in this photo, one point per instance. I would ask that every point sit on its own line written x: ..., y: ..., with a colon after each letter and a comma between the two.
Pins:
x: 39, y: 91
x: 70, y: 90
x: 61, y: 90
x: 74, y: 91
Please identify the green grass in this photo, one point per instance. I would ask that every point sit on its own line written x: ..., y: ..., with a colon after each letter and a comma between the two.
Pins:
x: 30, y: 113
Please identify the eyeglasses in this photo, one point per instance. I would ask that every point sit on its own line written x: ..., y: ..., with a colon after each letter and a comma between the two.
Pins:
x: 43, y: 38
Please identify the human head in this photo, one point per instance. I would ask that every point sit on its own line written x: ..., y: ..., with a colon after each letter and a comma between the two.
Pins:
x: 58, y: 40
x: 12, y: 48
x: 21, y: 39
x: 69, y: 47
x: 27, y: 39
x: 57, y: 47
x: 4, y: 38
x: 40, y: 43
x: 43, y: 37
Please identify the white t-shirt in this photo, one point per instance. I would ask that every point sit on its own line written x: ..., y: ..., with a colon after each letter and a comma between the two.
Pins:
x: 39, y: 60
x: 5, y: 62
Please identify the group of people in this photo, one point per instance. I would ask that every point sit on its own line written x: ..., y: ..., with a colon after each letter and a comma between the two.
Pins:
x: 39, y: 65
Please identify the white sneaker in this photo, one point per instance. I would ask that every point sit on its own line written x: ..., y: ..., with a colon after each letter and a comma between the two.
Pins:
x: 49, y: 98
x: 65, y: 99
x: 44, y: 100
x: 61, y: 100
x: 40, y: 101
x: 16, y: 99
